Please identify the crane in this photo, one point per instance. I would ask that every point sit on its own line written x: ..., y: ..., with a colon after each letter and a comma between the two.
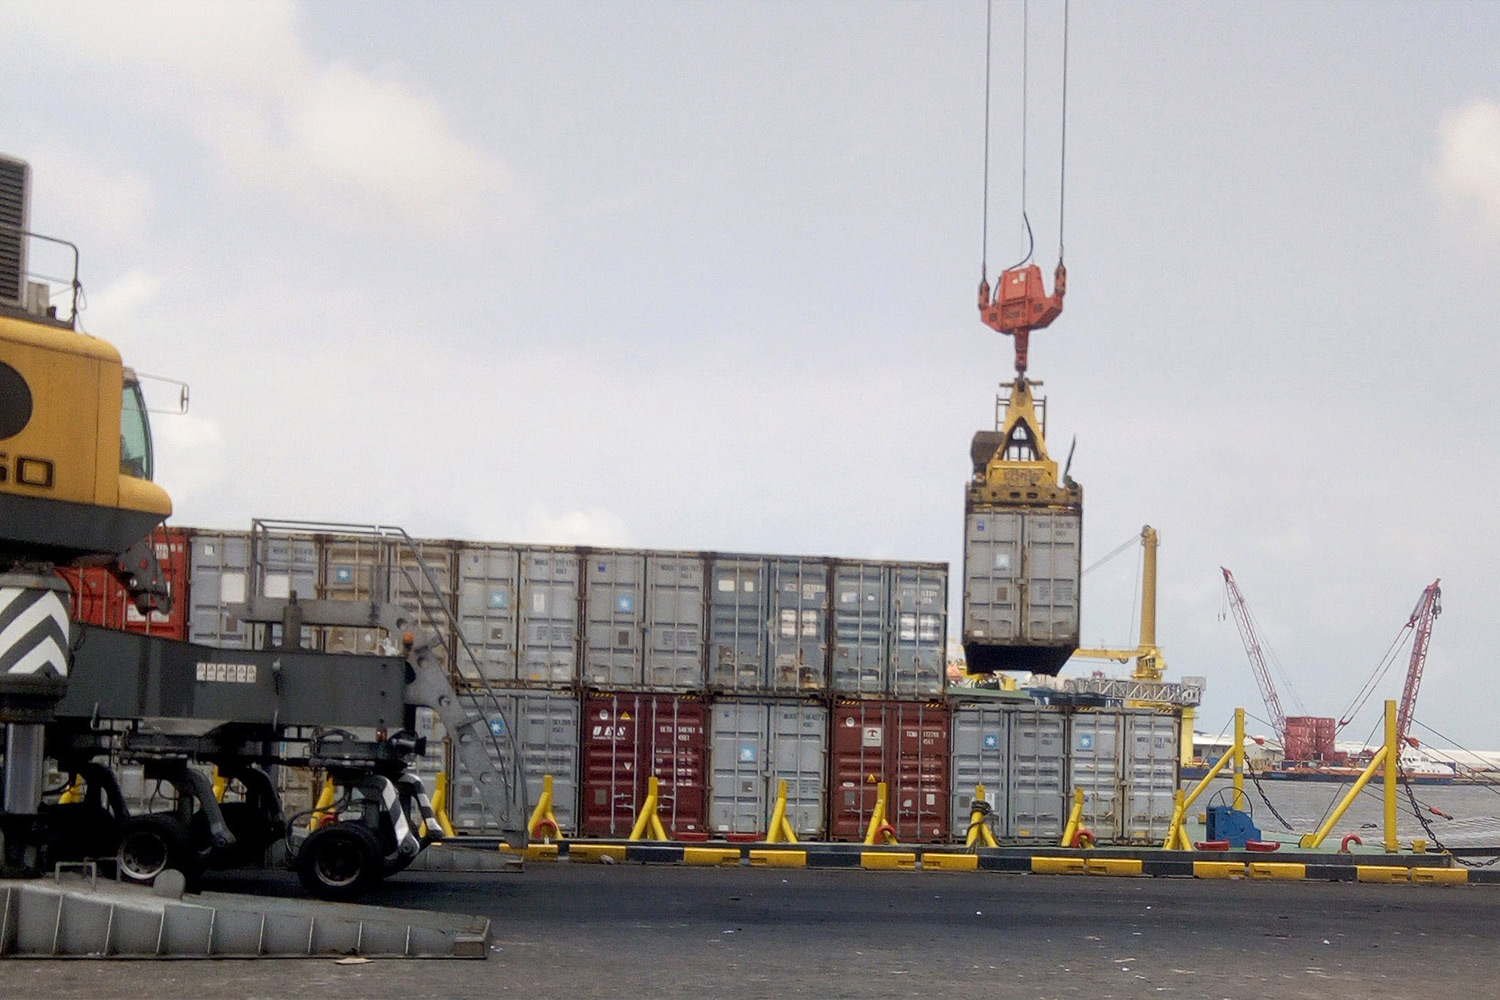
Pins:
x: 1429, y: 606
x: 1250, y: 635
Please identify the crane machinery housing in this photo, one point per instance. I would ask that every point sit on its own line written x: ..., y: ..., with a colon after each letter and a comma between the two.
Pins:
x: 210, y: 724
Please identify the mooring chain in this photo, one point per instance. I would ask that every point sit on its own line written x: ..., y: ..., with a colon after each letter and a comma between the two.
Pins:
x: 1250, y: 769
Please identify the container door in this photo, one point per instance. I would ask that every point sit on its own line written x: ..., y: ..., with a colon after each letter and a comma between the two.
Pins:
x: 798, y: 661
x: 427, y: 596
x: 674, y: 622
x: 1098, y: 753
x: 981, y: 756
x: 678, y: 756
x: 549, y: 617
x: 219, y: 569
x: 737, y: 626
x: 859, y: 749
x: 466, y: 811
x: 1036, y: 803
x: 741, y: 747
x: 919, y: 794
x: 285, y: 565
x: 548, y: 732
x: 353, y: 569
x: 1052, y: 573
x: 860, y: 602
x: 992, y: 564
x: 919, y: 619
x: 487, y: 591
x: 1150, y: 775
x: 799, y: 752
x: 612, y: 738
x: 614, y: 584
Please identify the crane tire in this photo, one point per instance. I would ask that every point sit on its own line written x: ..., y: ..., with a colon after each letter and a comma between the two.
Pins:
x: 151, y: 844
x: 339, y: 861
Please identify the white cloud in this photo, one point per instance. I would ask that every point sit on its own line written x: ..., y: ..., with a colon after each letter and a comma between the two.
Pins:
x: 277, y: 115
x: 85, y: 196
x: 577, y: 527
x: 121, y: 301
x: 1468, y: 171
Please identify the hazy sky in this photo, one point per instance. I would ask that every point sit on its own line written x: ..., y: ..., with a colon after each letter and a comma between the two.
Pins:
x: 702, y: 275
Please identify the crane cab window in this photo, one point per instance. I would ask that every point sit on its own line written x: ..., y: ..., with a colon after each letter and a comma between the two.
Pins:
x: 135, y: 434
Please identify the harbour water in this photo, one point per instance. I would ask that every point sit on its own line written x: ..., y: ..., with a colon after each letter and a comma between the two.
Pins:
x: 1475, y: 811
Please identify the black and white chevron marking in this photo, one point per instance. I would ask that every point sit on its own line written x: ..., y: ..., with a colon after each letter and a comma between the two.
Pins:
x: 33, y: 632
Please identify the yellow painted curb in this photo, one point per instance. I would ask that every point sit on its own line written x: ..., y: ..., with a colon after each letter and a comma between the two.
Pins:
x: 711, y: 855
x: 596, y: 852
x: 779, y: 859
x: 1440, y: 876
x: 1219, y: 869
x: 1114, y: 866
x: 881, y: 861
x: 1277, y: 870
x: 1058, y: 866
x: 1381, y: 873
x: 951, y: 862
x: 533, y: 852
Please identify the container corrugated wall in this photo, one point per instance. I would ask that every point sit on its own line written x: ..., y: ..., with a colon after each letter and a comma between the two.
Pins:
x: 219, y: 564
x: 1153, y: 753
x: 755, y: 745
x: 627, y: 738
x: 919, y: 614
x: 98, y: 598
x: 1096, y: 754
x: 1018, y: 752
x: 798, y: 661
x: 737, y: 627
x: 861, y: 629
x: 549, y: 622
x: 488, y: 578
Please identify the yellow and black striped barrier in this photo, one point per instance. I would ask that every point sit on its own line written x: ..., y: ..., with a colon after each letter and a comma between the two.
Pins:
x: 1309, y: 866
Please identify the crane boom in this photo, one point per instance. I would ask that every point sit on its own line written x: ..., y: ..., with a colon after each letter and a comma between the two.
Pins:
x: 1429, y: 606
x: 1251, y: 638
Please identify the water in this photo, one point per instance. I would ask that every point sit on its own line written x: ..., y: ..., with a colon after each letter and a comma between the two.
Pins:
x: 1306, y: 804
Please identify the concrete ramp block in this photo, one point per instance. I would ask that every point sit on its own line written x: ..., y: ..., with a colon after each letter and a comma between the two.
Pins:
x: 73, y: 917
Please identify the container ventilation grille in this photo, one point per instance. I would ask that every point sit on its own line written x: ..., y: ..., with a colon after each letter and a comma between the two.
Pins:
x: 14, y: 177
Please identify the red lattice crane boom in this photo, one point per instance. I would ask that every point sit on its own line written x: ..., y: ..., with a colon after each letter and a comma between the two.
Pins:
x: 1251, y: 638
x: 1429, y: 606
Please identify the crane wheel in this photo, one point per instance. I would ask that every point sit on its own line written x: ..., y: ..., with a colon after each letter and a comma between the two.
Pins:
x: 340, y: 861
x: 149, y: 845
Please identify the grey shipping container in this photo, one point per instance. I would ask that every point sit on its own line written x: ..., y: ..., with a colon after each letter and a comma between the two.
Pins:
x: 754, y: 746
x: 798, y: 662
x: 737, y: 624
x: 548, y: 618
x: 488, y: 586
x: 1018, y: 752
x: 1096, y: 757
x: 919, y: 636
x: 1021, y: 575
x: 219, y: 571
x: 545, y: 733
x: 365, y: 568
x: 675, y: 601
x: 614, y: 630
x: 1152, y: 742
x: 861, y: 629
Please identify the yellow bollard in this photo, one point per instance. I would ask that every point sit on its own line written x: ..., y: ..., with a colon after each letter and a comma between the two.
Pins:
x: 781, y: 830
x: 73, y: 793
x: 321, y: 810
x: 1075, y: 816
x: 648, y: 824
x: 221, y: 785
x: 979, y: 830
x: 542, y: 816
x: 880, y: 829
x: 440, y: 805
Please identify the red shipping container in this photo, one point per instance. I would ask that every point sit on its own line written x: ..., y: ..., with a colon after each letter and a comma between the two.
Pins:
x: 1310, y: 737
x: 906, y: 745
x: 627, y: 738
x: 99, y: 599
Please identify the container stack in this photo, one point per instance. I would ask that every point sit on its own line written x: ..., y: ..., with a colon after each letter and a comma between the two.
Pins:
x: 721, y: 674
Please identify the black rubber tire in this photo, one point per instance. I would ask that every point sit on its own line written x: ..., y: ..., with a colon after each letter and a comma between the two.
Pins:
x: 149, y: 845
x: 340, y: 861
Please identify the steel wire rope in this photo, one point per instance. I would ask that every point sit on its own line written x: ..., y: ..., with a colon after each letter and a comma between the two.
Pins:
x: 1275, y: 663
x: 1377, y: 675
x: 1025, y: 108
x: 1062, y: 172
x: 984, y: 239
x: 1136, y: 596
x: 1475, y: 775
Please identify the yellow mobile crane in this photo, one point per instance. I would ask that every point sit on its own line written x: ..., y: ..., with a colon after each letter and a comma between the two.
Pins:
x: 75, y: 488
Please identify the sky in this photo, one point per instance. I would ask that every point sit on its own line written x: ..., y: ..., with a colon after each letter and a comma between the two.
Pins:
x: 702, y: 276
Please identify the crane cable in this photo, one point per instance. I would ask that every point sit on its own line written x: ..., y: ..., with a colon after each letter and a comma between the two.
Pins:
x: 1025, y: 108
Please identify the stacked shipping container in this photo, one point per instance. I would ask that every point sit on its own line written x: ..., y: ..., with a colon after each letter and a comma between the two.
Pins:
x: 721, y: 675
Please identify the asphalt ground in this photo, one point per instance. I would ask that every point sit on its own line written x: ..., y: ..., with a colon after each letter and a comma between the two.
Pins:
x: 573, y: 930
